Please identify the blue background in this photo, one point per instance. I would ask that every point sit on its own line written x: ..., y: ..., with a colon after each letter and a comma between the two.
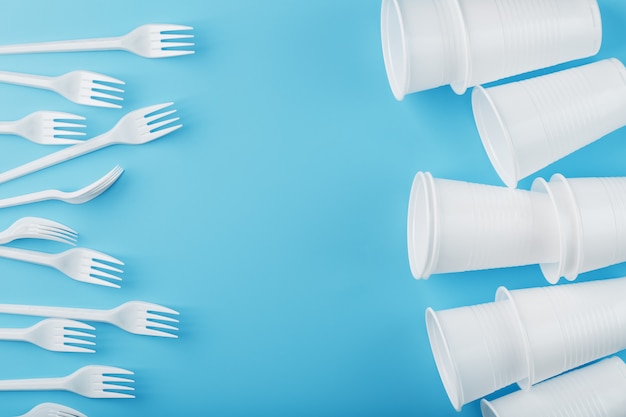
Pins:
x: 274, y: 221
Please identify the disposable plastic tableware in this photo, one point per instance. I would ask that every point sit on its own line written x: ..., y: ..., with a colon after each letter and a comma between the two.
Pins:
x: 135, y: 128
x: 38, y: 228
x: 455, y: 226
x: 80, y: 196
x: 80, y: 264
x: 58, y: 335
x: 592, y: 223
x: 82, y: 87
x: 45, y: 128
x: 529, y: 124
x: 526, y: 336
x: 149, y: 41
x: 430, y: 43
x: 598, y: 390
x: 567, y: 226
x: 137, y: 317
x: 52, y: 410
x: 91, y: 381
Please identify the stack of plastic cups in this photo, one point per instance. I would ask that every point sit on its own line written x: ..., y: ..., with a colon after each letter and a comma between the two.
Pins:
x: 592, y: 223
x: 526, y: 336
x: 598, y: 390
x: 527, y: 125
x: 567, y: 226
x: 458, y: 226
x: 430, y: 43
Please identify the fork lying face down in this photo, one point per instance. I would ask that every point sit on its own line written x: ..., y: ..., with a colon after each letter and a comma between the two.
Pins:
x: 80, y: 196
x: 52, y: 410
x: 38, y: 228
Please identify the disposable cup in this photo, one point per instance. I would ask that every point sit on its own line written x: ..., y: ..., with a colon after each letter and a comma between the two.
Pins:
x: 456, y: 226
x: 477, y: 349
x: 424, y: 44
x: 598, y: 390
x: 527, y: 125
x: 430, y: 43
x: 592, y: 223
x: 567, y: 226
x: 567, y: 326
x: 526, y: 336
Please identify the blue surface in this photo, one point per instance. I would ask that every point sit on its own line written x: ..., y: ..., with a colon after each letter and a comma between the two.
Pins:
x: 274, y: 221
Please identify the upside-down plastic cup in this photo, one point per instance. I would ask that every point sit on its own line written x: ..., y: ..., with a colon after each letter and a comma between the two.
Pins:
x: 527, y: 125
x: 598, y: 390
x: 431, y: 43
x: 456, y: 226
x: 592, y: 223
x: 526, y: 336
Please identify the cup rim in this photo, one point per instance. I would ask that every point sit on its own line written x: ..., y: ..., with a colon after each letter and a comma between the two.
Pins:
x: 569, y: 264
x: 495, y: 136
x: 487, y: 409
x: 446, y: 366
x: 503, y: 294
x: 397, y: 72
x: 422, y: 242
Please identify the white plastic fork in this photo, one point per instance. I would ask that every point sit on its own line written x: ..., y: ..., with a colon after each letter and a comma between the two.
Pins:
x: 82, y: 87
x: 91, y: 381
x: 80, y: 264
x: 38, y: 228
x: 149, y: 41
x: 45, y: 128
x: 135, y: 128
x: 52, y: 410
x: 80, y: 196
x: 137, y: 317
x: 57, y: 335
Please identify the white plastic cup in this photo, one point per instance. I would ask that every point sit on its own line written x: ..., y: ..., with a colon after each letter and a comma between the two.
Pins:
x: 592, y: 223
x: 423, y: 45
x: 567, y: 326
x: 526, y: 336
x: 598, y: 390
x: 477, y: 349
x: 456, y: 226
x: 527, y: 125
x: 430, y: 43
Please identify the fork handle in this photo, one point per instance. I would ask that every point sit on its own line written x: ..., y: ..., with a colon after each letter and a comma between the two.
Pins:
x: 7, y: 128
x: 13, y: 334
x: 26, y: 199
x: 85, y: 314
x: 57, y: 157
x: 28, y: 80
x: 78, y: 45
x: 32, y: 384
x: 25, y: 255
